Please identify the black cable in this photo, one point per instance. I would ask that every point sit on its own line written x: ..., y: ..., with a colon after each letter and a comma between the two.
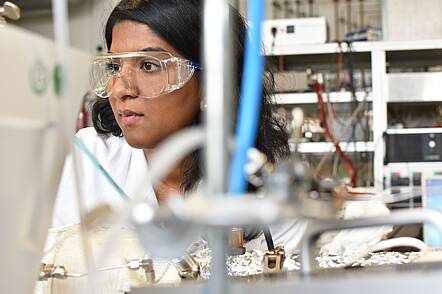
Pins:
x: 269, y: 238
x: 367, y: 131
x: 274, y: 32
x: 350, y: 65
x: 355, y: 103
x: 363, y: 120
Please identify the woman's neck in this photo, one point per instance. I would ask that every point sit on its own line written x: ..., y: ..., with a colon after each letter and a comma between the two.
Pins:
x: 171, y: 184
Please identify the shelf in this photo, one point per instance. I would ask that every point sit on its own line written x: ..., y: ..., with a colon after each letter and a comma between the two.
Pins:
x: 413, y: 131
x: 330, y: 48
x: 311, y: 98
x: 324, y: 147
x: 414, y: 87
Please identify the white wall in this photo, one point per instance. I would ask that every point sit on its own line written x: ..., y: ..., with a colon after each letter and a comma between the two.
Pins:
x: 86, y: 20
x: 413, y: 19
x: 405, y: 19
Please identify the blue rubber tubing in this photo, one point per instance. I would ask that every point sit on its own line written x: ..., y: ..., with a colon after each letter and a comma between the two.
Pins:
x: 250, y: 102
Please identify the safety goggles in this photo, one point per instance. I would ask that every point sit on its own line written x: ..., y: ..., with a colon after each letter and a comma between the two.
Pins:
x: 145, y: 74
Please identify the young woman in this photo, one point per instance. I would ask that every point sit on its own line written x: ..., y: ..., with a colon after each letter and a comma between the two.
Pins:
x: 149, y: 84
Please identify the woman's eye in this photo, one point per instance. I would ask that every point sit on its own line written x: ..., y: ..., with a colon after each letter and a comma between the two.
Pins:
x: 150, y: 66
x: 113, y: 67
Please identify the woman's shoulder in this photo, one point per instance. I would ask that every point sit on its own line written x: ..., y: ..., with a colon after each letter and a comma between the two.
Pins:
x: 90, y: 134
x: 94, y: 140
x: 106, y: 148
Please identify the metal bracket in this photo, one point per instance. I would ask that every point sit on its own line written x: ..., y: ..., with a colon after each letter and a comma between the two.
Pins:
x: 274, y: 260
x: 50, y: 271
x: 188, y: 268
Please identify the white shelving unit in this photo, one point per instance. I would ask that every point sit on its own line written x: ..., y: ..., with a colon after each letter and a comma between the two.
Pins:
x: 379, y: 95
x: 311, y: 98
x: 329, y: 48
x: 323, y: 147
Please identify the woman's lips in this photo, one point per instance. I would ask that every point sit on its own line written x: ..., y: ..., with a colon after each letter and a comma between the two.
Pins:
x: 130, y: 118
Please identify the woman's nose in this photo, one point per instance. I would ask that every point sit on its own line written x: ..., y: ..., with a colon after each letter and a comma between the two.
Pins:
x: 124, y: 86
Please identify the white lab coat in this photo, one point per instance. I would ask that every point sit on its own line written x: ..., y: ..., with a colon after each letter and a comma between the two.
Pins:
x: 126, y: 165
x: 128, y: 168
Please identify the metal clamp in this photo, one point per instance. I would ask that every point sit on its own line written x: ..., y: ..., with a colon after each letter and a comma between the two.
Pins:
x: 146, y: 265
x: 50, y: 271
x: 188, y: 268
x: 236, y: 241
x: 149, y: 272
x: 274, y: 260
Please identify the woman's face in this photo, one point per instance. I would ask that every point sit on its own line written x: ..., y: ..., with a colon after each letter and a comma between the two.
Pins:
x: 146, y: 122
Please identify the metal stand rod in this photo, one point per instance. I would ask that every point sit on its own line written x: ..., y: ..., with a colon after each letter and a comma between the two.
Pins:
x: 218, y: 73
x: 337, y: 21
x: 218, y: 77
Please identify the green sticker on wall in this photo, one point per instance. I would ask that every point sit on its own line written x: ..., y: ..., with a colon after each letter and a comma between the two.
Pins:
x: 58, y: 77
x: 39, y: 77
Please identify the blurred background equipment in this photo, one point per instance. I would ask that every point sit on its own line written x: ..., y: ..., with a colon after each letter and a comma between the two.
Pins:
x: 412, y: 155
x: 342, y: 16
x: 413, y: 145
x: 32, y: 125
x: 288, y: 32
x: 9, y: 10
x: 32, y: 6
x: 431, y: 199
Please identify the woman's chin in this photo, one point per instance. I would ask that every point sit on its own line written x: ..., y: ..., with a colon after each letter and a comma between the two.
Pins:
x: 139, y: 141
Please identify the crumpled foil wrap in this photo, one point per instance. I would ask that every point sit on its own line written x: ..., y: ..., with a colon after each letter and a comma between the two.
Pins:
x: 251, y: 263
x: 378, y: 258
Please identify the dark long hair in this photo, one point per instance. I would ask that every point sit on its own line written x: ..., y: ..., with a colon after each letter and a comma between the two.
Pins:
x: 179, y: 23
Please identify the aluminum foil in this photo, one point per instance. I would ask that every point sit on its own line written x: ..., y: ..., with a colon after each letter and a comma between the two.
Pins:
x: 251, y: 263
x: 203, y: 256
x: 355, y: 260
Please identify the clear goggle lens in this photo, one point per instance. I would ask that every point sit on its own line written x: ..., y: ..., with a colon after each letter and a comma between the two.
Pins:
x: 145, y: 74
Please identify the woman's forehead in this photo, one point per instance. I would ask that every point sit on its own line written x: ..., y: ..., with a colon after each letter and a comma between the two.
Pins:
x: 131, y: 36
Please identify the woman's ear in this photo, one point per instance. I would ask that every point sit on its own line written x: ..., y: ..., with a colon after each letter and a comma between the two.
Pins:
x: 203, y: 105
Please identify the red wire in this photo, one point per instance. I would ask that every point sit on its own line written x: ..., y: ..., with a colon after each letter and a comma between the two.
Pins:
x: 83, y: 119
x: 338, y: 78
x: 323, y: 117
x: 281, y: 63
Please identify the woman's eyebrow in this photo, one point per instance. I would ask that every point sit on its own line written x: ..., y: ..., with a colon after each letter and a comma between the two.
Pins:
x: 147, y: 49
x: 153, y: 49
